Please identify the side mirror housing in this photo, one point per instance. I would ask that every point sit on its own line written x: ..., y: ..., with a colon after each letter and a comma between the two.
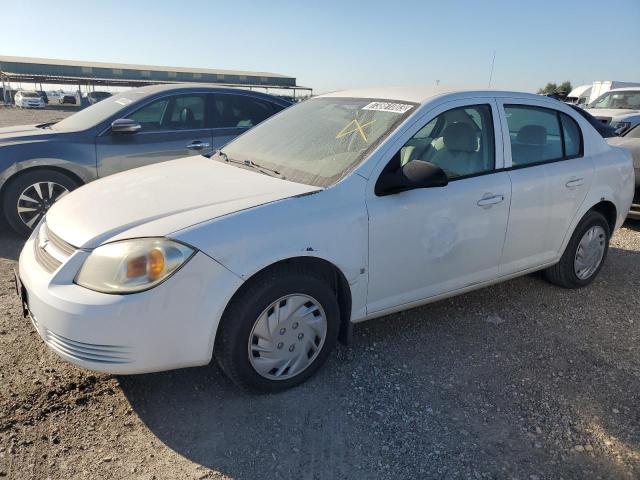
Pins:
x: 125, y: 125
x: 412, y: 175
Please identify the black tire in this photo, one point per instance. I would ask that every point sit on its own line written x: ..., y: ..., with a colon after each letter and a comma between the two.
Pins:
x: 19, y: 183
x: 563, y: 273
x: 244, y: 309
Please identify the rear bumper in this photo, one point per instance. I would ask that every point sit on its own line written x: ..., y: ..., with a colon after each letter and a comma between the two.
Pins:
x: 170, y: 326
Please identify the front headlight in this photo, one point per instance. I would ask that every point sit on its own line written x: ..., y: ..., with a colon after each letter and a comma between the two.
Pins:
x: 132, y: 265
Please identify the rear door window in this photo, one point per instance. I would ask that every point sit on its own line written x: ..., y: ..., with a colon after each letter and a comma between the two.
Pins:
x: 540, y: 135
x: 241, y: 110
x: 534, y: 133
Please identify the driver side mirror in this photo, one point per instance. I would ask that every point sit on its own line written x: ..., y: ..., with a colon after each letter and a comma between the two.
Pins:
x: 412, y: 175
x: 125, y: 125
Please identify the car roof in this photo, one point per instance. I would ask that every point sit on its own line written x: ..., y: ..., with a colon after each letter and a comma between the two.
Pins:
x: 423, y: 94
x: 168, y: 87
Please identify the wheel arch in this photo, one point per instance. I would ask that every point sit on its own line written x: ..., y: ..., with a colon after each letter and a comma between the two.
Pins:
x: 334, y: 276
x: 608, y: 209
x: 64, y: 171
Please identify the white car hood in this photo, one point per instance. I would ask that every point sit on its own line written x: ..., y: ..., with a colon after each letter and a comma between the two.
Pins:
x: 159, y: 199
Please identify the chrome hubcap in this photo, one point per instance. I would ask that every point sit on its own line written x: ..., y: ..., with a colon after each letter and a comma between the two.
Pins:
x: 590, y: 252
x: 36, y: 199
x: 287, y: 337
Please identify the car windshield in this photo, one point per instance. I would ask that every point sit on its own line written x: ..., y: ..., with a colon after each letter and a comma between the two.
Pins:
x: 30, y: 94
x: 317, y: 142
x: 96, y: 113
x: 626, y: 100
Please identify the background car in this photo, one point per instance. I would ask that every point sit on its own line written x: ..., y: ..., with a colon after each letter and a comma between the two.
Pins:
x: 43, y: 95
x: 631, y: 141
x: 41, y: 163
x: 68, y: 98
x: 27, y: 99
x: 95, y: 97
x: 619, y: 108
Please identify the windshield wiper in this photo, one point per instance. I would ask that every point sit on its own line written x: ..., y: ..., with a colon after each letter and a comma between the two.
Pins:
x: 48, y: 124
x: 249, y: 163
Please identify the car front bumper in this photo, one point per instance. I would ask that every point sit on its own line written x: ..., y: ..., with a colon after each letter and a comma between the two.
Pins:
x: 170, y: 326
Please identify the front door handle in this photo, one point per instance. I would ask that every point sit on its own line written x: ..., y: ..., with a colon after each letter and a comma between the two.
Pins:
x: 574, y: 182
x: 198, y: 145
x: 489, y: 201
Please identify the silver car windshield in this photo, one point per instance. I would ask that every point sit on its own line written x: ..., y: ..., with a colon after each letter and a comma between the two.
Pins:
x: 317, y: 142
x: 98, y: 112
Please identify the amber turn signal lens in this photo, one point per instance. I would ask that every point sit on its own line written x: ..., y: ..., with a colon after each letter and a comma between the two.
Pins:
x: 137, y: 267
x: 156, y: 264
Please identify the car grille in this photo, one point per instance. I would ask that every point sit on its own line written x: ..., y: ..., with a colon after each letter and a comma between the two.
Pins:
x: 87, y: 352
x: 50, y: 250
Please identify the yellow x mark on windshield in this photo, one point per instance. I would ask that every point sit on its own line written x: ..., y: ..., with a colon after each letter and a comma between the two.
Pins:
x: 357, y: 127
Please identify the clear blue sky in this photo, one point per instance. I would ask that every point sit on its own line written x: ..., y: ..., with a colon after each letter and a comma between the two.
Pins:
x: 332, y: 45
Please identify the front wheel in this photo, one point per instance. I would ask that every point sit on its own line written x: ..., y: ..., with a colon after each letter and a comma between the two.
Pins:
x: 584, y: 255
x: 29, y: 196
x: 278, y: 330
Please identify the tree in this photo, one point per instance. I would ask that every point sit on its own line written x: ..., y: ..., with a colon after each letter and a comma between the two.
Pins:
x: 565, y: 86
x: 551, y: 87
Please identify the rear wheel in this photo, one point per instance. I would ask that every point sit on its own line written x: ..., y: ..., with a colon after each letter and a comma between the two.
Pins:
x: 584, y: 255
x: 29, y: 196
x: 279, y: 330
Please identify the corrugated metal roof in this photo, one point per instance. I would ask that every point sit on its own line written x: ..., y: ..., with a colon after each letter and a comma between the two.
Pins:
x: 126, y: 66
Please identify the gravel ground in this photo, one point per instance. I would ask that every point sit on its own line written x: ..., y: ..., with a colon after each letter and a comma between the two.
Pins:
x: 520, y: 380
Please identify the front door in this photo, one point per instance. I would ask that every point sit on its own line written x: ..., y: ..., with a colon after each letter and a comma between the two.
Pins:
x: 172, y: 127
x: 427, y: 242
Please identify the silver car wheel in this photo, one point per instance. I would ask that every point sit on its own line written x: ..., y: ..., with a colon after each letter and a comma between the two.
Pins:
x: 287, y: 337
x: 590, y: 252
x: 36, y: 199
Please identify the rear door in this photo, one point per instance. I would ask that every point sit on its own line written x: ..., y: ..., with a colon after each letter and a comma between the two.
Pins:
x: 234, y: 114
x: 550, y: 177
x: 173, y: 126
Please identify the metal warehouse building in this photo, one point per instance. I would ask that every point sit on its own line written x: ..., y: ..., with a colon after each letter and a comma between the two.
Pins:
x: 91, y: 74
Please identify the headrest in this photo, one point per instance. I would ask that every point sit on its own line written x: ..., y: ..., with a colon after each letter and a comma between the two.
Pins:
x: 186, y: 115
x: 460, y: 137
x: 532, y: 135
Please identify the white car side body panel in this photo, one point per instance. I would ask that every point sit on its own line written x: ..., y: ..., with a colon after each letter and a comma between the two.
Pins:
x: 331, y: 225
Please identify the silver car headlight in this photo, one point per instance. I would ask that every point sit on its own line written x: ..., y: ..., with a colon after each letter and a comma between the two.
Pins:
x: 132, y: 266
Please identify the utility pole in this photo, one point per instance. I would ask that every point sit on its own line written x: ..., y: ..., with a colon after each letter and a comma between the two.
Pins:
x: 493, y: 61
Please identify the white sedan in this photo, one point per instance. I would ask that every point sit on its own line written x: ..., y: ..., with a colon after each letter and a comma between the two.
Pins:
x: 24, y: 99
x: 343, y: 208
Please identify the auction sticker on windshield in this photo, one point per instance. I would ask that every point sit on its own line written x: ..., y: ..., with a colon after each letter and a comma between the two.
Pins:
x: 388, y: 107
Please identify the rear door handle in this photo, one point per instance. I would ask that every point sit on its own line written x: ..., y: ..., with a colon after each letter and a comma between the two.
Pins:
x: 574, y: 182
x: 198, y: 145
x: 489, y: 201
